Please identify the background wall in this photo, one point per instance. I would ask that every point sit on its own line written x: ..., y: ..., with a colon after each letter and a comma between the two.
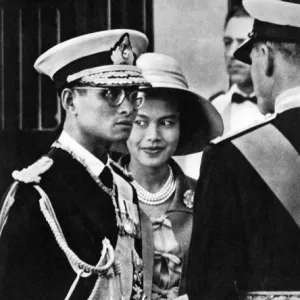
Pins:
x: 191, y: 31
x: 29, y: 108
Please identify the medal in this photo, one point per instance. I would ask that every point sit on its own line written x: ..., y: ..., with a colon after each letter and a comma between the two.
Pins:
x: 129, y: 227
x: 129, y: 217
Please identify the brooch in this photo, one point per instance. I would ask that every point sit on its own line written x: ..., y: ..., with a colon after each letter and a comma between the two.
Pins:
x: 188, y: 198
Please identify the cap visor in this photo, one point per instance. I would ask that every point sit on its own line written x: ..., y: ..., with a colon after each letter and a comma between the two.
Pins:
x: 243, y: 52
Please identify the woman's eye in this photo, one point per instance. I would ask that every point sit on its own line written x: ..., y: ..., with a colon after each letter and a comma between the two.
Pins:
x: 168, y: 123
x: 140, y: 122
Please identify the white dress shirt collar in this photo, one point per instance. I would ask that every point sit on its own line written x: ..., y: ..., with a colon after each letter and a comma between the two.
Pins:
x: 94, y: 164
x: 235, y: 89
x: 288, y: 99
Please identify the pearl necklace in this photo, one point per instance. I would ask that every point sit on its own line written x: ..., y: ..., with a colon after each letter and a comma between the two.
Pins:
x: 161, y: 196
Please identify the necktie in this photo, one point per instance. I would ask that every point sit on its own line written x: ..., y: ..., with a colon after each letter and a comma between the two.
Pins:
x: 238, y: 98
x: 106, y: 177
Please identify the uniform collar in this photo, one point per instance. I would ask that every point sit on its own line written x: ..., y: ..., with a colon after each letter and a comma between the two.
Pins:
x: 288, y: 99
x: 95, y: 165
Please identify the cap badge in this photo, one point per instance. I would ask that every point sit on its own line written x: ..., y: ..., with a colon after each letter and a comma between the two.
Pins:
x: 252, y: 35
x: 122, y: 53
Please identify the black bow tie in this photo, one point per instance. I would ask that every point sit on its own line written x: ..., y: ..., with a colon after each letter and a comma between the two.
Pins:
x: 238, y: 98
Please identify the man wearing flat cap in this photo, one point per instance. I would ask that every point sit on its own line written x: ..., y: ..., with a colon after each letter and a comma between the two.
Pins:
x: 69, y: 224
x: 246, y: 231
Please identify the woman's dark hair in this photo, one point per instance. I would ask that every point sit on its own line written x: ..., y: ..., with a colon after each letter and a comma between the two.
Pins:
x: 192, y: 125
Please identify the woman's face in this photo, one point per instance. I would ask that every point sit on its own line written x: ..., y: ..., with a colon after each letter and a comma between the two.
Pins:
x: 155, y: 133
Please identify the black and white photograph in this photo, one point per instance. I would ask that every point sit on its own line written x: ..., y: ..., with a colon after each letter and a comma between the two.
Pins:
x: 149, y: 149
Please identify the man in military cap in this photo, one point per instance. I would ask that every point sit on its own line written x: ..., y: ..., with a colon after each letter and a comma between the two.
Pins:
x: 69, y: 224
x: 246, y: 235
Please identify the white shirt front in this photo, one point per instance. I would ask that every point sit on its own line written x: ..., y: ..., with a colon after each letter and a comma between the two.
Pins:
x: 237, y: 116
x: 94, y: 164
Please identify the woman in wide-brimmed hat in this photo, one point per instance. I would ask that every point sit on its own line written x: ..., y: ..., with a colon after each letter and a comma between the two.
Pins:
x: 173, y: 120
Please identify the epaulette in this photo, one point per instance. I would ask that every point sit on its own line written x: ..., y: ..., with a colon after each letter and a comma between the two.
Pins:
x: 32, y: 174
x: 234, y: 134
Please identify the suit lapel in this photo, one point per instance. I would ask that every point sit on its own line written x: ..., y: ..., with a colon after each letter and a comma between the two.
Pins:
x: 148, y: 252
x: 181, y: 218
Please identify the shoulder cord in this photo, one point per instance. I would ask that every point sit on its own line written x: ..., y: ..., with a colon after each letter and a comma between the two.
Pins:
x: 7, y: 204
x: 119, y: 167
x: 81, y: 268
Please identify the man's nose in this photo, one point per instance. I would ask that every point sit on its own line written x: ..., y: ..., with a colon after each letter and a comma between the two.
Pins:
x: 126, y: 106
x: 234, y: 46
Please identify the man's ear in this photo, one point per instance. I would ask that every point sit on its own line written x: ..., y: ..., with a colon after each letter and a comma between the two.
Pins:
x: 67, y: 100
x: 268, y: 52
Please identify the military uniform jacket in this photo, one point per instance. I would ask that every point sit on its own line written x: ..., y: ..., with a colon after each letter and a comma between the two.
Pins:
x: 243, y: 237
x: 32, y: 266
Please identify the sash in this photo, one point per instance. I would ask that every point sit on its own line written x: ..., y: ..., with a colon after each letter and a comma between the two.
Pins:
x: 126, y: 259
x: 125, y: 244
x: 128, y: 210
x: 277, y: 162
x: 280, y: 295
x: 118, y: 283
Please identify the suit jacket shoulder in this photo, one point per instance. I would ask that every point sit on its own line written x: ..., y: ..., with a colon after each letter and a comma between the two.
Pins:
x: 216, y: 95
x: 236, y: 134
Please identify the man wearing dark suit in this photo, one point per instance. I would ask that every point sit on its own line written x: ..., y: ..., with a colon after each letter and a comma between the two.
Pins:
x: 72, y: 214
x: 246, y: 236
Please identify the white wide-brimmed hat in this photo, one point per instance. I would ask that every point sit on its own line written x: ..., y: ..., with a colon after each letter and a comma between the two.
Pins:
x: 200, y: 121
x: 275, y: 20
x: 104, y: 58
